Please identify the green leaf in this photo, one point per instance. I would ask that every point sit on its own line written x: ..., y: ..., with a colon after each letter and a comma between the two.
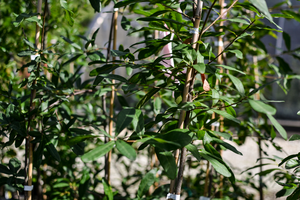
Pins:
x: 126, y: 149
x: 298, y: 113
x: 138, y: 122
x: 98, y: 152
x: 30, y: 44
x: 52, y: 150
x: 287, y: 40
x: 125, y: 117
x: 193, y: 149
x: 237, y: 53
x: 294, y: 137
x: 107, y: 189
x: 216, y: 163
x: 288, y: 158
x: 278, y: 127
x: 14, y: 165
x: 61, y: 185
x: 106, y: 69
x: 261, y: 107
x: 292, y: 163
x: 262, y: 6
x: 295, y: 195
x: 167, y: 161
x: 4, y: 169
x: 200, y: 67
x: 238, y: 84
x: 77, y: 139
x: 153, y: 19
x: 96, y: 4
x: 226, y: 115
x: 231, y: 68
x: 146, y: 182
x: 125, y: 24
x: 71, y: 42
x: 148, y: 96
x: 114, y: 76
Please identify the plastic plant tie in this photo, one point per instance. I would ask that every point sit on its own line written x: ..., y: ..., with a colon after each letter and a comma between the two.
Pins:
x: 28, y: 188
x: 32, y: 57
x: 216, y: 124
x: 204, y: 198
x: 194, y: 31
x: 173, y: 196
x: 116, y: 9
x: 219, y: 44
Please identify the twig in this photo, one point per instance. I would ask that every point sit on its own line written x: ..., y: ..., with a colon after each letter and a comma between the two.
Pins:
x: 182, y: 13
x: 206, y: 19
x: 232, y: 42
x: 220, y: 16
x: 70, y: 95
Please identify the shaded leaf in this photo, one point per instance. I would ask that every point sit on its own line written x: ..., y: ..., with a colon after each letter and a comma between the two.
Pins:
x: 146, y: 182
x: 96, y: 4
x: 167, y: 161
x: 125, y: 24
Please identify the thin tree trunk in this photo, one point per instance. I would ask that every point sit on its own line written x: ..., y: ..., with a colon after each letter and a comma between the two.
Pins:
x: 185, y: 97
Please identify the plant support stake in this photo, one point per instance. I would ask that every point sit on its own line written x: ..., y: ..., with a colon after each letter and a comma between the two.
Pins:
x: 185, y: 98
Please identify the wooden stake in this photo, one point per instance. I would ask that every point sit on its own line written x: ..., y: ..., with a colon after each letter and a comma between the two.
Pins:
x: 112, y: 98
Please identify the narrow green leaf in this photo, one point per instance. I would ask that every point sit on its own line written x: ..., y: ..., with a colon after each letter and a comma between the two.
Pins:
x: 295, y: 195
x: 167, y: 161
x: 97, y: 152
x: 126, y: 149
x: 200, y: 67
x: 52, y: 150
x: 30, y: 44
x: 287, y: 40
x: 96, y: 4
x: 61, y: 185
x: 4, y: 169
x: 262, y: 6
x: 238, y: 84
x: 278, y: 127
x: 78, y: 139
x: 106, y: 69
x: 125, y: 24
x: 193, y: 149
x: 292, y: 163
x: 148, y: 96
x: 219, y: 166
x: 138, y: 122
x: 237, y: 53
x: 226, y: 115
x: 107, y: 189
x: 146, y: 182
x: 261, y: 107
x: 231, y: 68
x: 114, y: 76
x: 124, y: 118
x: 14, y: 165
x: 294, y: 137
x: 288, y: 158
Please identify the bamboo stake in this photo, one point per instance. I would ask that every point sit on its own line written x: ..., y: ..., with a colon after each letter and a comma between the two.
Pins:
x: 220, y: 61
x: 183, y: 114
x: 257, y: 97
x: 113, y: 29
x: 32, y: 106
